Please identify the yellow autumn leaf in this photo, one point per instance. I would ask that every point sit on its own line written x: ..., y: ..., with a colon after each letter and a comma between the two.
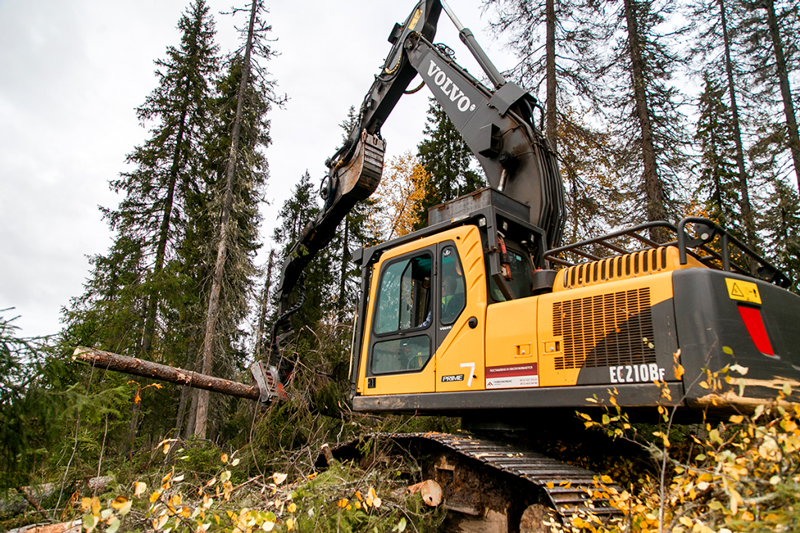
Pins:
x: 736, y: 419
x: 224, y: 458
x: 86, y: 504
x: 279, y: 478
x: 95, y: 506
x: 289, y: 524
x: 606, y: 479
x: 685, y: 521
x: 342, y: 503
x: 155, y: 496
x: 679, y: 371
x: 119, y: 502
x: 139, y: 488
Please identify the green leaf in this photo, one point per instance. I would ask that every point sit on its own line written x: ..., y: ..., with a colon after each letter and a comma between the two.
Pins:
x: 728, y: 350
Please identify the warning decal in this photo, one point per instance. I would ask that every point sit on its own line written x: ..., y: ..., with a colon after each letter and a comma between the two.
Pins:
x: 745, y: 291
x: 512, y: 376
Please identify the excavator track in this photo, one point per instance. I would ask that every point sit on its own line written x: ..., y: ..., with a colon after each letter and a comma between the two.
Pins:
x: 566, y: 489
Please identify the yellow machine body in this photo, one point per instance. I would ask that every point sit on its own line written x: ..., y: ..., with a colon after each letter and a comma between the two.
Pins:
x: 521, y: 343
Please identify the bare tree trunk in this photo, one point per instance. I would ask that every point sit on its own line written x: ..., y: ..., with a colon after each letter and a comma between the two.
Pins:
x: 550, y: 74
x: 655, y: 206
x: 201, y: 416
x: 189, y: 431
x: 783, y: 82
x: 185, y: 394
x: 262, y: 317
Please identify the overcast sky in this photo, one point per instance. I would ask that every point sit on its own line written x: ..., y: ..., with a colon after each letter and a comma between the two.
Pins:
x: 73, y: 72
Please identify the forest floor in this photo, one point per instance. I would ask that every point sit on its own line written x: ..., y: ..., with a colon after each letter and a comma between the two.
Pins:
x: 739, y: 475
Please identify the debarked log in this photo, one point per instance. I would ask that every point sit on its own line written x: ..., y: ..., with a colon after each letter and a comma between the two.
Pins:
x: 148, y: 369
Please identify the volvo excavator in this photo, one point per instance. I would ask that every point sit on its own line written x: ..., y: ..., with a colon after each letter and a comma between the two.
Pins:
x: 483, y: 312
x: 484, y: 315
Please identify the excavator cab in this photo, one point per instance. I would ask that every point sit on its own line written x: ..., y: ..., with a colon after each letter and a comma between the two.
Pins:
x: 424, y: 312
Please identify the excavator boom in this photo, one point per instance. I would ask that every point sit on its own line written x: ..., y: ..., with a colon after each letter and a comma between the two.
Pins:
x: 497, y: 124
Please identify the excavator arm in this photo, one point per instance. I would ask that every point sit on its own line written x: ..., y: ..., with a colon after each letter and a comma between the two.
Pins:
x: 497, y: 124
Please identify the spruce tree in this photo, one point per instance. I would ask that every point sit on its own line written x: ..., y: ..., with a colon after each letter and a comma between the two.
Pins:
x: 133, y: 295
x: 780, y: 222
x: 320, y: 283
x: 718, y: 169
x: 715, y: 30
x: 198, y: 254
x: 355, y: 231
x: 556, y: 42
x: 243, y: 163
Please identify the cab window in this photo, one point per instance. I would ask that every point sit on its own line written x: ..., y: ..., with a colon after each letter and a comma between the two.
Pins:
x: 453, y: 286
x: 404, y: 299
x: 400, y: 355
x: 520, y: 282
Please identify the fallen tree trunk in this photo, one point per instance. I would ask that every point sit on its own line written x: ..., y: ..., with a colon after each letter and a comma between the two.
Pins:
x: 148, y: 369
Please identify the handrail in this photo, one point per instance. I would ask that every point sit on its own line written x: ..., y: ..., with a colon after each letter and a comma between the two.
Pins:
x: 705, y: 234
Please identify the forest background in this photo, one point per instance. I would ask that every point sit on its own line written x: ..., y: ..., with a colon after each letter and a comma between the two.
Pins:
x: 686, y: 108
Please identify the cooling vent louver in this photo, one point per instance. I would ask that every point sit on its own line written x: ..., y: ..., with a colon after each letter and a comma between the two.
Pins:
x: 616, y: 268
x: 605, y: 330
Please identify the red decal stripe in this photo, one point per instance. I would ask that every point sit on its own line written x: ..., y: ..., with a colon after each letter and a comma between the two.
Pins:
x: 755, y: 327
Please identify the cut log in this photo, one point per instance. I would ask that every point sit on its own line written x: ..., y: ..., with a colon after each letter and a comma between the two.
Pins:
x: 148, y: 369
x: 430, y: 490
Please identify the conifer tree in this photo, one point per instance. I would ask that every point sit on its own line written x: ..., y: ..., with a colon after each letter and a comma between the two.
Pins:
x: 319, y: 275
x: 556, y: 42
x: 780, y: 222
x: 197, y: 257
x: 715, y: 30
x: 133, y: 294
x: 242, y: 168
x: 447, y: 159
x: 718, y: 172
x: 356, y: 231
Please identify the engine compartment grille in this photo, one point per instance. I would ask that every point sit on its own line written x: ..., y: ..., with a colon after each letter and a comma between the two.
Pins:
x: 605, y: 330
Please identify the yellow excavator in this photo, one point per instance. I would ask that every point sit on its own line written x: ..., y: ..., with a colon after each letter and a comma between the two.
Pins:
x: 484, y: 315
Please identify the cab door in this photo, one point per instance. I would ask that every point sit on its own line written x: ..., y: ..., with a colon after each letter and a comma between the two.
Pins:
x: 460, y: 312
x: 401, y: 336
